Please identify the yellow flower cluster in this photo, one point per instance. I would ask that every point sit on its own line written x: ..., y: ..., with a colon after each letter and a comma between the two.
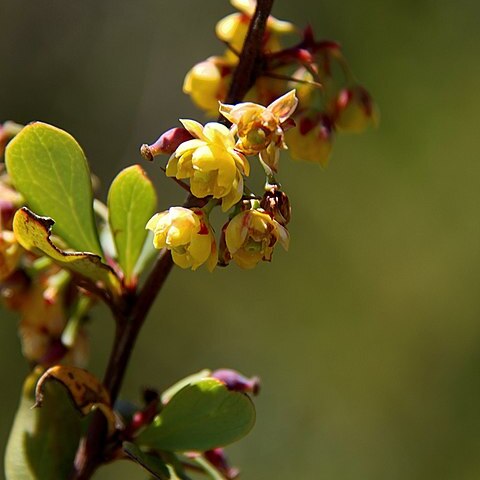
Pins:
x: 330, y: 99
x: 207, y: 82
x: 213, y: 158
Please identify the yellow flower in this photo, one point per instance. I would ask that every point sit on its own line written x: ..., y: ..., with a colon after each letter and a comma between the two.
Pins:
x: 211, y: 163
x: 260, y: 128
x: 312, y: 140
x: 233, y: 28
x: 188, y: 234
x: 251, y: 236
x: 207, y: 83
x: 355, y: 110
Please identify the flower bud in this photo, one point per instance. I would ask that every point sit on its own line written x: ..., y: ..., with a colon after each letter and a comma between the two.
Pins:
x: 166, y: 144
x: 277, y: 204
x: 355, y: 110
x: 237, y: 382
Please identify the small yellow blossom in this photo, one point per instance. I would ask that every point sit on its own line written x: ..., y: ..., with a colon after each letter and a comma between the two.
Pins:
x: 259, y: 128
x: 188, y: 234
x: 233, y: 28
x: 355, y: 110
x: 251, y: 237
x: 207, y: 83
x: 211, y: 163
x: 311, y: 140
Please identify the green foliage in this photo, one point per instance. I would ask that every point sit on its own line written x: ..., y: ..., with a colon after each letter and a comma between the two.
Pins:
x: 131, y: 202
x: 43, y: 441
x: 201, y: 416
x: 33, y: 233
x: 176, y: 387
x: 48, y: 167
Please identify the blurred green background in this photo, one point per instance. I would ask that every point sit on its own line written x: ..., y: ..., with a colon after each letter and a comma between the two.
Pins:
x: 367, y: 333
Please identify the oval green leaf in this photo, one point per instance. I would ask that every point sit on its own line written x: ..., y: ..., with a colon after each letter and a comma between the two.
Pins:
x: 131, y: 203
x: 33, y: 234
x: 43, y: 441
x: 48, y: 167
x: 201, y: 416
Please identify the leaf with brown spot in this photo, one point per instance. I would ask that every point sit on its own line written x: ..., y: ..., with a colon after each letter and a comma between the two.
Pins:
x: 86, y: 391
x: 33, y: 233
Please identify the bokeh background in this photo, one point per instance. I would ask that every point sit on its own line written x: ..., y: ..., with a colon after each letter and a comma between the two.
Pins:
x: 367, y: 333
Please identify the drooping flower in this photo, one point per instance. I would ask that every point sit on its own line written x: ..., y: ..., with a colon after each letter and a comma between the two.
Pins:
x: 233, y: 28
x: 251, y: 237
x: 261, y: 129
x: 187, y: 234
x: 210, y: 162
x: 355, y: 110
x: 312, y: 140
x: 207, y: 82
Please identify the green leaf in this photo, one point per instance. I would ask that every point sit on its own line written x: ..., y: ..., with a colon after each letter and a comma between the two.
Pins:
x: 33, y: 234
x: 43, y: 441
x: 48, y: 167
x: 151, y: 463
x: 131, y: 203
x: 201, y: 416
x: 176, y: 387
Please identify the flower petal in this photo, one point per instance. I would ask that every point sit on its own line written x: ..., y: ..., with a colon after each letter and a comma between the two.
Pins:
x: 282, y: 235
x: 236, y: 232
x: 183, y: 260
x: 234, y: 195
x: 172, y: 166
x: 241, y: 161
x: 226, y: 27
x: 199, y: 249
x: 188, y: 145
x: 245, y: 6
x: 195, y: 128
x: 218, y: 134
x: 284, y: 106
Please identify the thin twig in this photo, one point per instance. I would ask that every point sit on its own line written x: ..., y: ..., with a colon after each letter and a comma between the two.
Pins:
x: 288, y: 78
